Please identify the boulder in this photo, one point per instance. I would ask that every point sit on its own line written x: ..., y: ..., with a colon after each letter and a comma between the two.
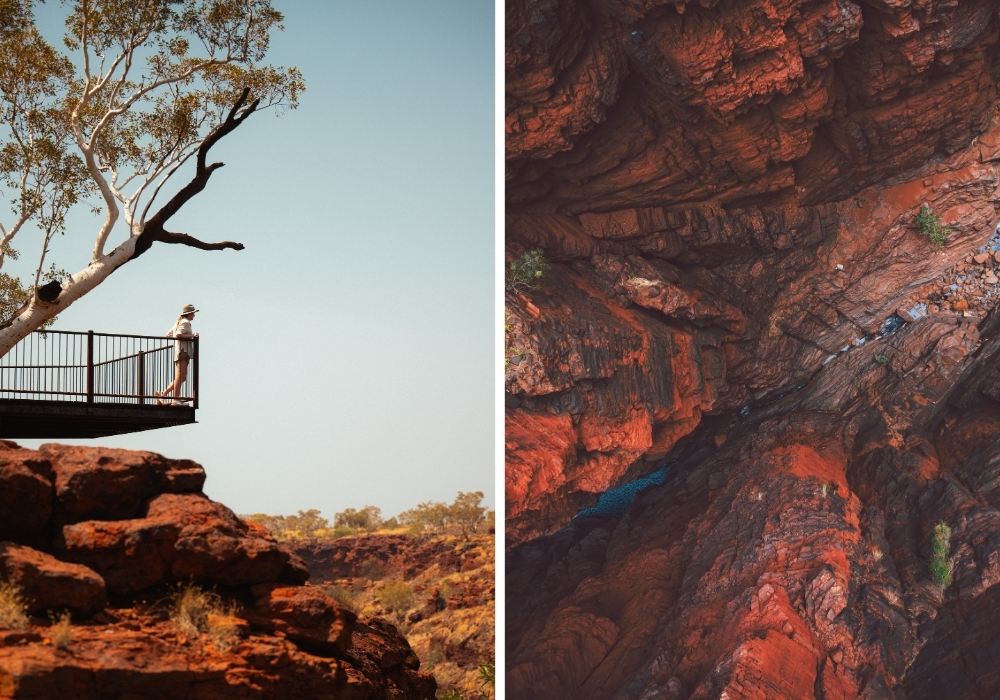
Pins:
x: 130, y: 554
x: 304, y: 614
x: 50, y: 584
x: 181, y: 536
x: 25, y: 492
x: 101, y: 483
x: 295, y: 572
x: 379, y: 653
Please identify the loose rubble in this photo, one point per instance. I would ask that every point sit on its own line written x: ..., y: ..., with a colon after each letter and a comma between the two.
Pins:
x: 971, y: 288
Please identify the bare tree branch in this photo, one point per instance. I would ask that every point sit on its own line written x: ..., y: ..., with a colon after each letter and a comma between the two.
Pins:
x: 185, y: 239
x: 153, y: 229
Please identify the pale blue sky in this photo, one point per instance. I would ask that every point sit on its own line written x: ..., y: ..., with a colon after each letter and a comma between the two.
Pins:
x: 348, y: 351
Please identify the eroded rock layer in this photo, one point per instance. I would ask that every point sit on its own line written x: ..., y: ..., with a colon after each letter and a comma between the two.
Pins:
x: 729, y: 196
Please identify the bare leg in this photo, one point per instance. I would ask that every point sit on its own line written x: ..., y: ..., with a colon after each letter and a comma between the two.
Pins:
x: 179, y: 378
x: 182, y: 370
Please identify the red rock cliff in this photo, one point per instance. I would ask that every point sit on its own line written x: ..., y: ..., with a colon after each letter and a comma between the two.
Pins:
x: 104, y: 533
x: 728, y: 192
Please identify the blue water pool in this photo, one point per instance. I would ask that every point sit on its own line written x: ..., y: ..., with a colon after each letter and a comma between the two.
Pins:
x: 615, y: 502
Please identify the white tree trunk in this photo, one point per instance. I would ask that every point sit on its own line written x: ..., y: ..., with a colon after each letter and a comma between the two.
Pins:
x: 38, y: 312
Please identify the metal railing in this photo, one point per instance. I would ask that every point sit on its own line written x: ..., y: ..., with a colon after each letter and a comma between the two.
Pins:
x: 97, y: 368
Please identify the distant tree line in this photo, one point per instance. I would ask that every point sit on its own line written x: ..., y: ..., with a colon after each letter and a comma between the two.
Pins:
x: 465, y: 515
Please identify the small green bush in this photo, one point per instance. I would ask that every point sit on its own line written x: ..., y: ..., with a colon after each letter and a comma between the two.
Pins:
x: 344, y: 531
x: 881, y: 359
x: 940, y: 566
x: 487, y: 684
x: 433, y: 659
x: 283, y: 527
x: 395, y: 596
x: 526, y: 270
x: 930, y: 226
x: 487, y: 678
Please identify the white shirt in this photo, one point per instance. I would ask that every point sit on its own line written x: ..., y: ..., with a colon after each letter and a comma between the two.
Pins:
x: 182, y: 327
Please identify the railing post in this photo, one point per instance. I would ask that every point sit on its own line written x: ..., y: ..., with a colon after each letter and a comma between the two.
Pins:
x: 140, y: 377
x: 90, y: 366
x: 194, y: 373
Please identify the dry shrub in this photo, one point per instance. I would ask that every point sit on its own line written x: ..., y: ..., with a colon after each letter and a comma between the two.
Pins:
x: 196, y: 611
x: 371, y: 569
x: 224, y: 629
x: 343, y: 597
x: 13, y: 607
x: 60, y: 631
x: 395, y: 596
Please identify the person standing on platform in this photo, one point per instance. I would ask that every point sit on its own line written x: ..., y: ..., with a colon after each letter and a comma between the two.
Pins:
x: 183, y: 350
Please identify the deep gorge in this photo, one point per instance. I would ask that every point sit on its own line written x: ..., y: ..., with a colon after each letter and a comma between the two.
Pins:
x: 728, y: 193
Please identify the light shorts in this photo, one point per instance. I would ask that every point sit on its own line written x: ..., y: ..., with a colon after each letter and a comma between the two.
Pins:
x: 183, y: 356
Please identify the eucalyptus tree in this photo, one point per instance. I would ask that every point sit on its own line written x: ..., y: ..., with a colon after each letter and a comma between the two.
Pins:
x: 139, y: 89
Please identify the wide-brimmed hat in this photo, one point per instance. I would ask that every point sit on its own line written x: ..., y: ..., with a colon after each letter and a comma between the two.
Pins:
x: 188, y: 309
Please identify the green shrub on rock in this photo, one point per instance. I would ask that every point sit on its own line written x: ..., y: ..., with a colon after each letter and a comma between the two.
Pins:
x: 526, y: 270
x: 395, y: 596
x: 940, y: 566
x: 930, y: 226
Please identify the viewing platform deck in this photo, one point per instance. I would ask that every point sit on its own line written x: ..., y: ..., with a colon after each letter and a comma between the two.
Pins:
x: 66, y: 384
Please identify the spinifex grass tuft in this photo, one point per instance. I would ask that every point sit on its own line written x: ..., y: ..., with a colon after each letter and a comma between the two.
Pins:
x: 61, y: 631
x: 13, y: 607
x: 195, y: 611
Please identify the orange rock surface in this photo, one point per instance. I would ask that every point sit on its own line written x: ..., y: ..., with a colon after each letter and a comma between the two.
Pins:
x: 728, y: 194
x: 111, y: 535
x: 680, y: 295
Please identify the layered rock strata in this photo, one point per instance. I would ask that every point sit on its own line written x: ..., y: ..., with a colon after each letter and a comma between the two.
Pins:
x: 741, y: 293
x: 791, y: 561
x: 675, y: 294
x: 105, y: 533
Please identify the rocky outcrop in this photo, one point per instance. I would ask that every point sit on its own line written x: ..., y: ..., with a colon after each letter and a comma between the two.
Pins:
x: 305, y: 615
x: 446, y: 589
x: 404, y: 555
x: 180, y: 536
x: 743, y: 298
x: 106, y: 533
x: 110, y: 484
x: 53, y: 584
x: 26, y: 496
